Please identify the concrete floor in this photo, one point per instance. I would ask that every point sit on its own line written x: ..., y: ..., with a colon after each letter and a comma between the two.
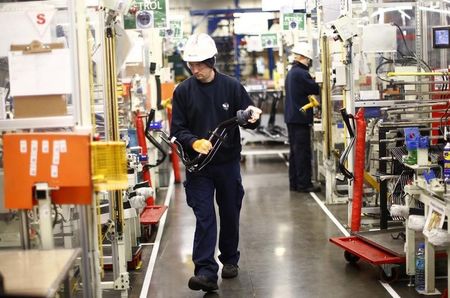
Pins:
x: 285, y: 251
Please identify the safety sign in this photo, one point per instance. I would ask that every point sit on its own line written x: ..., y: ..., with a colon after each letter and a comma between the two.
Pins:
x: 269, y: 40
x: 294, y: 21
x: 145, y: 14
x: 174, y: 30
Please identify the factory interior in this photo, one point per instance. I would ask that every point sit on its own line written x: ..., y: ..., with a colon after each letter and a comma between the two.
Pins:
x: 98, y: 154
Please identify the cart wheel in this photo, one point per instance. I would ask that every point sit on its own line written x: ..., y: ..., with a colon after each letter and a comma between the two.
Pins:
x: 395, y: 274
x: 351, y: 258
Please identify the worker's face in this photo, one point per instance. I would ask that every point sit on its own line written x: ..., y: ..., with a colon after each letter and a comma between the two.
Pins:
x: 306, y: 61
x: 201, y: 71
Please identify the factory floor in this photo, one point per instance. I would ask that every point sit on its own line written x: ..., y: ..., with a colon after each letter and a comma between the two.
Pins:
x: 284, y: 245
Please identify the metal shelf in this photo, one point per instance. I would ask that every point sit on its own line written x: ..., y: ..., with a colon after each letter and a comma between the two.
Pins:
x: 374, y: 103
x: 41, y: 122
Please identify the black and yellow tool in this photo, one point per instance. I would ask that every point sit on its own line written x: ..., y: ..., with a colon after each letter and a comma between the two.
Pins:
x: 313, y: 102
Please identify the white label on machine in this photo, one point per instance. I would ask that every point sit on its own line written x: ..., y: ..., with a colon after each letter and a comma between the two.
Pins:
x: 369, y: 95
x: 33, y: 157
x: 62, y: 146
x: 56, y: 150
x: 45, y: 146
x: 54, y: 171
x: 23, y: 146
x: 33, y: 170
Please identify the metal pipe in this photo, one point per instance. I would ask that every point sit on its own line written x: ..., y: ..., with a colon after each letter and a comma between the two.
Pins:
x: 402, y: 139
x: 387, y: 177
x: 416, y: 112
x: 447, y: 92
x: 410, y: 74
x: 420, y: 129
x: 24, y: 235
x: 416, y: 122
x: 326, y: 96
x: 382, y: 152
x: 420, y: 82
x: 415, y: 105
x: 86, y: 276
x: 408, y: 101
x: 386, y: 158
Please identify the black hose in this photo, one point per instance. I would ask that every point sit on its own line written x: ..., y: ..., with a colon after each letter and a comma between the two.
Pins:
x: 216, y: 137
x: 346, y: 117
x: 158, y: 92
x: 150, y: 118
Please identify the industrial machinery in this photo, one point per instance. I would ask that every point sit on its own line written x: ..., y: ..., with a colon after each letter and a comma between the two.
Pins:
x: 404, y: 93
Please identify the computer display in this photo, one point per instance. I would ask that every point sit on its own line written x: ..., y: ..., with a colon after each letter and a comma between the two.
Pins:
x: 441, y: 37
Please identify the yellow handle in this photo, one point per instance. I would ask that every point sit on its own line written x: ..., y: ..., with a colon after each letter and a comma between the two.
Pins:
x: 313, y: 102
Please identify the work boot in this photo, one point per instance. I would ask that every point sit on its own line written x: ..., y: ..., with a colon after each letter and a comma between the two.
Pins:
x: 201, y: 282
x: 230, y: 271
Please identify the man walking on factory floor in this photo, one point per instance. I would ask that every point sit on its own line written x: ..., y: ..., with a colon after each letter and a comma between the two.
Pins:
x: 200, y: 103
x: 299, y: 85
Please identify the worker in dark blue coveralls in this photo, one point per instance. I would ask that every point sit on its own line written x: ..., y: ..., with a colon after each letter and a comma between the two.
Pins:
x: 200, y: 103
x: 299, y: 85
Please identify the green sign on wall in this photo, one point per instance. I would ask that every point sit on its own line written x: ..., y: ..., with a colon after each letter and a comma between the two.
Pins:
x: 294, y: 21
x: 174, y: 30
x: 269, y: 40
x: 147, y: 14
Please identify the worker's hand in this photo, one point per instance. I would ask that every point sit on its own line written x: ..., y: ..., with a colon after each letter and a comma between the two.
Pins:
x: 202, y: 146
x: 256, y: 113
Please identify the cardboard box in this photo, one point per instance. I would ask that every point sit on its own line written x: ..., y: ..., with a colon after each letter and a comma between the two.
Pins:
x: 39, y: 106
x: 133, y: 69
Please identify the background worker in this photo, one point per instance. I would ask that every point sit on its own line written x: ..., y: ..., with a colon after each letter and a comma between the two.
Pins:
x: 200, y: 103
x: 299, y: 85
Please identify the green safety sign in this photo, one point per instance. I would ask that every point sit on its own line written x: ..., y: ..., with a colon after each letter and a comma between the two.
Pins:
x: 269, y: 40
x: 146, y: 14
x: 294, y: 21
x: 175, y: 29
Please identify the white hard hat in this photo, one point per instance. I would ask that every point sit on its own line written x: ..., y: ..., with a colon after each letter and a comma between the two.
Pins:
x: 199, y: 47
x: 304, y: 49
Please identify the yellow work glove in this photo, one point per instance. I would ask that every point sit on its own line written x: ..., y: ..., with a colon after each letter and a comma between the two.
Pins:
x: 202, y: 146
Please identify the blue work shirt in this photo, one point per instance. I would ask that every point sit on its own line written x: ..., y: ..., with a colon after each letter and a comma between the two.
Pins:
x: 197, y: 109
x: 299, y: 84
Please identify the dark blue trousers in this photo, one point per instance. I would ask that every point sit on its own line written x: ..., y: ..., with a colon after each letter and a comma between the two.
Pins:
x: 300, y: 156
x: 225, y: 181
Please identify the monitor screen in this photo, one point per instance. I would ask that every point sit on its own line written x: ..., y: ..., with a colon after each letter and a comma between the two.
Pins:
x: 441, y: 37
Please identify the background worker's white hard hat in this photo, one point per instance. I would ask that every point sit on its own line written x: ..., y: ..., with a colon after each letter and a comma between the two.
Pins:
x: 199, y: 47
x: 304, y: 49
